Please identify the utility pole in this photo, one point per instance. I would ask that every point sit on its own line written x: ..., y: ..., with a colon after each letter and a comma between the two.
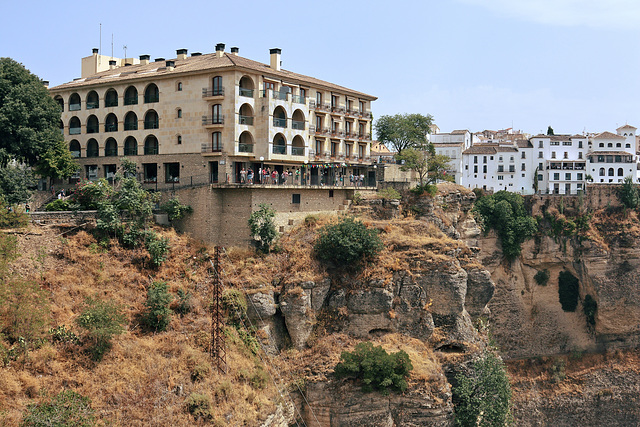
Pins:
x: 218, y: 350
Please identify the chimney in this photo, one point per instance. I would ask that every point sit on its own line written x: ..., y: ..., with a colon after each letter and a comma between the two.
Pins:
x: 170, y: 65
x: 219, y: 50
x: 182, y: 53
x: 235, y: 50
x: 275, y: 58
x: 196, y: 54
x: 158, y: 60
x: 46, y: 83
x: 144, y: 59
x: 95, y: 50
x: 112, y: 64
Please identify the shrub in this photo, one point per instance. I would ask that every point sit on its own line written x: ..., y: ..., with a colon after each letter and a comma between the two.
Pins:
x: 482, y: 396
x: 88, y: 194
x: 389, y: 193
x: 357, y: 198
x: 430, y: 189
x: 24, y: 311
x: 158, y: 248
x: 101, y: 321
x: 63, y: 335
x: 58, y: 205
x: 479, y: 192
x: 568, y: 291
x: 66, y: 408
x: 542, y: 277
x: 376, y: 368
x: 347, y: 243
x: 263, y: 227
x: 175, y: 209
x: 199, y: 405
x: 259, y: 379
x: 184, y: 305
x: 310, y: 220
x: 12, y: 217
x: 235, y: 306
x: 158, y: 313
x: 590, y: 307
x: 629, y: 194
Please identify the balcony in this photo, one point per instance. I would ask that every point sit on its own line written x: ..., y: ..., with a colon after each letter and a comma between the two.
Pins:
x: 112, y: 103
x: 297, y: 151
x: 92, y: 153
x: 131, y: 100
x: 210, y: 93
x: 113, y: 127
x: 312, y: 129
x: 245, y: 120
x: 131, y: 151
x: 323, y: 107
x: 74, y: 107
x: 74, y: 131
x: 297, y: 125
x: 245, y: 148
x: 337, y: 109
x: 211, y: 148
x: 353, y: 113
x: 312, y: 104
x: 150, y: 150
x: 92, y: 104
x: 131, y: 126
x: 212, y: 120
x: 151, y: 98
x: 245, y: 92
x: 279, y: 95
x: 279, y: 149
x: 299, y: 99
x: 151, y: 124
x: 364, y: 114
x: 322, y: 131
x: 93, y: 129
x: 279, y: 123
x: 364, y: 136
x: 111, y: 152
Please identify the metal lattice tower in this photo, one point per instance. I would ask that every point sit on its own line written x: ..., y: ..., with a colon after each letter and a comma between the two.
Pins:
x: 218, y: 350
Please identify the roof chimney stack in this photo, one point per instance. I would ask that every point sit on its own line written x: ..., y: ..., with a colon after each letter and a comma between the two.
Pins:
x: 46, y: 83
x: 235, y: 50
x: 219, y: 50
x: 158, y: 60
x: 275, y: 58
x: 170, y: 65
x: 112, y: 64
x: 182, y: 53
x: 196, y: 54
x: 144, y: 59
x: 95, y: 50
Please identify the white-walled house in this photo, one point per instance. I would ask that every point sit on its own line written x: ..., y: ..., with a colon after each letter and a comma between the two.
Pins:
x: 612, y: 157
x: 452, y: 145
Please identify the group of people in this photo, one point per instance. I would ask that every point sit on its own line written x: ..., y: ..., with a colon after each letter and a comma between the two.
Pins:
x: 268, y: 176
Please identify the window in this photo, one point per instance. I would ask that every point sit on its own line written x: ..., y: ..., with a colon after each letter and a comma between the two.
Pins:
x: 475, y: 159
x: 151, y: 120
x: 601, y: 173
x: 484, y: 159
x: 579, y: 177
x: 500, y: 168
x: 303, y: 93
x: 295, y: 199
x: 131, y: 96
x: 540, y: 155
x: 179, y: 86
x: 580, y: 154
x: 151, y: 145
x: 540, y: 144
x: 567, y: 177
x: 566, y: 143
x: 540, y: 177
x: 523, y: 155
x: 179, y: 139
x: 334, y: 101
x: 318, y: 98
x: 111, y: 98
x: 566, y: 155
x: 151, y: 94
x: 172, y: 172
x: 540, y: 166
x: 216, y: 141
x: 475, y: 169
x: 111, y: 123
x: 522, y: 167
x: 556, y: 176
x: 500, y: 177
x: 579, y: 144
x: 601, y: 145
x: 553, y: 154
x: 150, y: 172
x: 555, y: 143
x: 92, y: 172
x: 511, y: 159
x: 512, y: 168
x: 500, y: 158
x: 361, y: 106
x: 484, y: 169
x: 179, y: 113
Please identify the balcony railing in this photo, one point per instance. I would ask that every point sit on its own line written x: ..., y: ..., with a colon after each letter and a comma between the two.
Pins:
x: 92, y: 104
x: 323, y: 107
x: 111, y: 102
x: 279, y: 95
x: 322, y: 131
x: 212, y: 120
x: 364, y: 114
x: 151, y: 98
x: 297, y: 125
x: 131, y: 151
x: 279, y: 149
x: 151, y: 124
x: 218, y: 91
x: 75, y: 154
x: 131, y: 126
x: 211, y: 148
x: 245, y: 92
x: 74, y: 107
x: 245, y: 120
x: 111, y: 152
x: 365, y: 136
x: 279, y: 123
x: 150, y: 150
x: 299, y: 99
x: 337, y: 109
x: 113, y: 127
x: 245, y: 148
x: 131, y: 100
x: 74, y: 131
x: 297, y: 151
x: 93, y: 129
x: 92, y: 153
x: 312, y: 103
x: 352, y: 112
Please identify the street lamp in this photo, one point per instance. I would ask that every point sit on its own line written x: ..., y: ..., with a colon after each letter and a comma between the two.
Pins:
x: 261, y: 168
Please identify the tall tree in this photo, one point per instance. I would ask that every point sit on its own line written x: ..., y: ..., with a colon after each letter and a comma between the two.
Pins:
x: 56, y: 162
x: 29, y: 117
x: 429, y: 166
x: 403, y: 131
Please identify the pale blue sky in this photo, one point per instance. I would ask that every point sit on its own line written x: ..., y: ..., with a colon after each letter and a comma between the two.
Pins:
x: 475, y: 64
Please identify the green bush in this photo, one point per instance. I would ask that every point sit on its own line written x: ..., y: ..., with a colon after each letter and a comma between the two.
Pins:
x: 58, y: 205
x: 310, y: 220
x: 347, y: 243
x: 66, y: 408
x: 357, y: 198
x: 158, y: 313
x: 234, y: 304
x: 629, y: 194
x: 504, y: 212
x: 430, y: 189
x: 175, y: 209
x: 479, y: 192
x: 263, y: 227
x: 88, y: 194
x: 568, y: 291
x: 12, y: 216
x: 101, y: 321
x: 482, y: 396
x: 63, y: 335
x: 199, y: 405
x: 389, y: 193
x: 377, y: 369
x: 158, y: 248
x: 590, y: 307
x: 542, y: 277
x: 184, y: 305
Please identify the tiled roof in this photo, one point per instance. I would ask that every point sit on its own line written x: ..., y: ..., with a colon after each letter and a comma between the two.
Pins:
x: 626, y: 127
x: 524, y: 143
x: 608, y: 153
x: 578, y: 136
x: 482, y: 149
x: 554, y: 137
x: 459, y: 132
x: 195, y: 64
x: 507, y: 149
x: 608, y: 135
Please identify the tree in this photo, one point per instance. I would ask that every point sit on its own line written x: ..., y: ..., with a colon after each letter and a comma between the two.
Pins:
x: 629, y: 194
x: 348, y: 243
x: 29, y: 117
x: 262, y: 226
x: 56, y: 162
x: 536, y: 182
x: 101, y: 321
x: 550, y: 131
x: 16, y: 183
x: 158, y: 313
x: 429, y: 166
x: 403, y: 131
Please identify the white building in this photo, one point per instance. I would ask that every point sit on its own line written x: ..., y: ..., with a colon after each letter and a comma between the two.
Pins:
x: 613, y: 157
x: 452, y: 145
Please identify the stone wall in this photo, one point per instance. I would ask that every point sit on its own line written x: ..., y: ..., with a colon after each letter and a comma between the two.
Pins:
x: 65, y: 217
x: 597, y: 196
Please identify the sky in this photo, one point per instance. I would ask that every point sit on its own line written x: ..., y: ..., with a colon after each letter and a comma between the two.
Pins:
x: 471, y: 64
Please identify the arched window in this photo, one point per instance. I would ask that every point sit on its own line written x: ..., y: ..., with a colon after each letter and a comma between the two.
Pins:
x: 74, y: 102
x: 74, y: 147
x: 610, y: 145
x: 111, y: 98
x: 279, y: 144
x: 131, y: 96
x: 74, y: 126
x: 179, y: 139
x: 246, y: 86
x: 131, y: 121
x: 618, y: 145
x: 151, y: 94
x: 151, y: 145
x: 246, y: 115
x: 601, y: 145
x: 92, y: 100
x: 620, y: 172
x: 297, y: 146
x: 111, y: 148
x: 151, y: 120
x: 179, y: 87
x: 60, y: 101
x: 179, y: 113
x: 217, y: 86
x: 92, y: 124
x: 217, y: 117
x: 92, y: 148
x: 279, y: 117
x: 216, y: 141
x: 111, y: 123
x: 245, y: 144
x: 610, y: 172
x: 627, y: 146
x: 130, y: 146
x: 297, y: 120
x: 601, y: 172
